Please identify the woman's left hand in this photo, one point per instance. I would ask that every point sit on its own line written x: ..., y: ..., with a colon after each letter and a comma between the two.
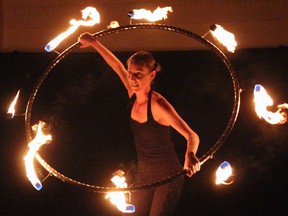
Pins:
x: 191, y: 164
x: 86, y: 39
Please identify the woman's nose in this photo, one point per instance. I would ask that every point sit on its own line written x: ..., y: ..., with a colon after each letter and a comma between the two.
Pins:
x: 132, y: 77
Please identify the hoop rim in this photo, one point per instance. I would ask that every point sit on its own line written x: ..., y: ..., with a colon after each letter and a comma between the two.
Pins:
x: 209, y: 154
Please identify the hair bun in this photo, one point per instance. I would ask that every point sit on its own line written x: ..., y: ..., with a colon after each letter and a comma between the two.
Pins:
x: 157, y: 67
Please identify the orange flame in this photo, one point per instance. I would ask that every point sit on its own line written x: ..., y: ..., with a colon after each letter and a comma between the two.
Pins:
x: 90, y: 17
x: 157, y: 14
x: 113, y: 24
x: 223, y: 173
x: 39, y: 140
x: 11, y: 109
x: 262, y: 100
x: 118, y: 198
x: 224, y: 37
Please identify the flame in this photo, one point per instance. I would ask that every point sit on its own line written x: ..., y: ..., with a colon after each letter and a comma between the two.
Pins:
x: 11, y: 109
x: 39, y: 140
x: 283, y: 106
x: 118, y: 198
x: 262, y: 100
x: 90, y: 17
x: 224, y: 37
x: 223, y: 173
x: 113, y: 24
x: 157, y: 14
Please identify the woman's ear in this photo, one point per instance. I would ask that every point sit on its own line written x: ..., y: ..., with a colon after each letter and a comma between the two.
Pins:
x: 153, y: 74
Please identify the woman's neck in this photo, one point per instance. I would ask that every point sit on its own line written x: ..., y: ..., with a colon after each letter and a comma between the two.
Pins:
x: 142, y: 96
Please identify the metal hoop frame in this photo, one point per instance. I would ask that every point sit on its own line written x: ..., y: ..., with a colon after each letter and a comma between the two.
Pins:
x: 209, y: 154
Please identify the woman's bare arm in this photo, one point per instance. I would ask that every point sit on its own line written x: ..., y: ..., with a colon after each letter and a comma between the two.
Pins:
x: 86, y: 40
x: 166, y: 114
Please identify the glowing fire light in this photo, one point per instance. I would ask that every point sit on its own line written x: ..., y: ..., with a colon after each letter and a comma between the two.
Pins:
x: 11, y: 109
x: 90, y: 17
x: 262, y: 100
x: 39, y: 140
x: 283, y: 106
x: 157, y: 14
x: 118, y: 198
x: 223, y: 173
x: 224, y: 37
x: 113, y: 24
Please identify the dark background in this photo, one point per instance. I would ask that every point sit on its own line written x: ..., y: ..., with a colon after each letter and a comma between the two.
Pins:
x: 85, y: 105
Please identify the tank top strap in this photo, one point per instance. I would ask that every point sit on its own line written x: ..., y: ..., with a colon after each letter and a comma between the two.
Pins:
x: 131, y: 102
x: 149, y: 111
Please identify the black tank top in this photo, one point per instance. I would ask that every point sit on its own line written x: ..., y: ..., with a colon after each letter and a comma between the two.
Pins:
x: 156, y: 156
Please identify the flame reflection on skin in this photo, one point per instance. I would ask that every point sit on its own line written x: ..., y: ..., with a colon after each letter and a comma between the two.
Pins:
x: 90, y: 17
x: 118, y: 198
x: 39, y: 140
x: 11, y: 109
x: 262, y: 100
x: 224, y: 37
x: 157, y: 14
x: 223, y: 173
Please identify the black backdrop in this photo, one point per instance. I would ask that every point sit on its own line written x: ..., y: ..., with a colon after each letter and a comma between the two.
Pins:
x: 85, y: 105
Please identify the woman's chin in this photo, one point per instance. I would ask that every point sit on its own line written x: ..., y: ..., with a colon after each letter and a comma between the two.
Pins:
x: 134, y: 88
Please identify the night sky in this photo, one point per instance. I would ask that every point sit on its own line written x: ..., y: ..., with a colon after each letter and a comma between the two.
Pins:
x: 85, y: 106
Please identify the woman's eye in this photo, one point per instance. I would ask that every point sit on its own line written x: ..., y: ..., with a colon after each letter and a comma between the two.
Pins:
x: 138, y: 75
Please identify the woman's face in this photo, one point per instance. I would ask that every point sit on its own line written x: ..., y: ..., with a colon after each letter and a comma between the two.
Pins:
x: 139, y: 77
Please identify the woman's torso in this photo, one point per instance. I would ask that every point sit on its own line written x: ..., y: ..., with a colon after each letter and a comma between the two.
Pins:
x: 156, y: 156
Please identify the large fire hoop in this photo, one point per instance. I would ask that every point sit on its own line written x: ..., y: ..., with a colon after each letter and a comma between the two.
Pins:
x: 209, y: 154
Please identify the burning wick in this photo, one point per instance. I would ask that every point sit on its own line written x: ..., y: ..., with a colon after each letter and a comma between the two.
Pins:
x: 39, y: 140
x: 157, y: 14
x: 11, y: 110
x: 113, y: 24
x: 224, y: 37
x: 118, y: 198
x: 262, y: 100
x: 90, y: 17
x: 223, y: 173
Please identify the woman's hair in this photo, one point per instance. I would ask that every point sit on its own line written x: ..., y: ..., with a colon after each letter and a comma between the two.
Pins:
x: 144, y: 59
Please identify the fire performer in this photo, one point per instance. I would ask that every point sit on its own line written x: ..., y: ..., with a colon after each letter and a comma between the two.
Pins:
x: 151, y: 118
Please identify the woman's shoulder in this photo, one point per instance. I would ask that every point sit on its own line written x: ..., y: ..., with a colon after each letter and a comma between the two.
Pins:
x: 156, y: 96
x: 158, y: 100
x: 161, y: 108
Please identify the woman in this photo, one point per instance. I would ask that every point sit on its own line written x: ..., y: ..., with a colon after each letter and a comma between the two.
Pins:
x: 151, y: 118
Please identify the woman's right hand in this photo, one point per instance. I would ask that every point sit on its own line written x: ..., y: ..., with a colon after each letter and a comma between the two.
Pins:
x: 86, y: 39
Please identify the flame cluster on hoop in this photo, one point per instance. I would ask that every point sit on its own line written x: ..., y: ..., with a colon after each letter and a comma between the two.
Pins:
x: 39, y: 140
x: 262, y: 101
x: 119, y: 198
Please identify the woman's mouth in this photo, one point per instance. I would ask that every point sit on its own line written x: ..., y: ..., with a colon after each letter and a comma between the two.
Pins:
x: 134, y: 85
